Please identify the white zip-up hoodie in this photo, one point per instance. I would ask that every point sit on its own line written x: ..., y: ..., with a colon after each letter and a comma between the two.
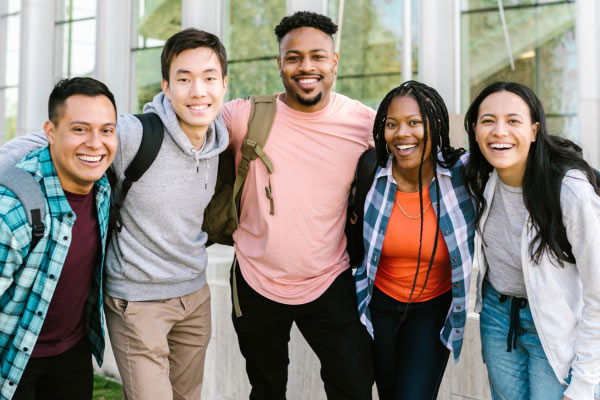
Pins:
x: 564, y: 302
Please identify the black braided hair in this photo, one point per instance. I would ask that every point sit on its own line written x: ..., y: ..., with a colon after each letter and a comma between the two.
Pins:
x: 435, y: 119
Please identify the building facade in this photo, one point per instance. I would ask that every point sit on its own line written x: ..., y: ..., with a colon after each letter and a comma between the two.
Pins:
x: 456, y: 46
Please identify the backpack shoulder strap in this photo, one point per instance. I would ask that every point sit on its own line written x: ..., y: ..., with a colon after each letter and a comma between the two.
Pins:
x: 260, y: 121
x: 365, y: 172
x: 152, y: 138
x: 28, y: 191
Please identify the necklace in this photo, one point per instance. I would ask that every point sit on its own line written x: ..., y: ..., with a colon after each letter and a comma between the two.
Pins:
x: 411, y: 216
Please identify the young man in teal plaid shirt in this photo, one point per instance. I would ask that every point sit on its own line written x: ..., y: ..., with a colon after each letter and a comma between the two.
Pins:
x: 51, y: 295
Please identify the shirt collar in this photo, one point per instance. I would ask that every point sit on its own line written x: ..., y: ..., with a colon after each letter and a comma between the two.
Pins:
x: 387, y: 170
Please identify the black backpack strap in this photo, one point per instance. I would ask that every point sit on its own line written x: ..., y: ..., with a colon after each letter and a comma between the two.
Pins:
x: 28, y: 191
x: 152, y: 138
x: 363, y: 179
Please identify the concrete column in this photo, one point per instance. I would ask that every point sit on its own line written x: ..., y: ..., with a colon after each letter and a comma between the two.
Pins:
x: 113, y: 49
x: 318, y: 6
x: 588, y: 62
x: 203, y: 14
x: 437, y: 42
x: 3, y: 51
x: 36, y: 61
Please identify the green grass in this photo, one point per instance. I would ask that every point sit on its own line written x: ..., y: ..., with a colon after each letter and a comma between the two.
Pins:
x: 105, y: 389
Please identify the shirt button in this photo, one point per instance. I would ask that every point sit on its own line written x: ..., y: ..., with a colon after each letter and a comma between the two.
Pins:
x: 458, y: 331
x: 456, y: 284
x: 25, y: 349
x: 454, y: 259
x: 51, y: 276
x: 39, y: 313
x: 11, y: 383
x: 70, y: 215
x: 458, y: 308
x: 65, y: 238
x: 447, y: 232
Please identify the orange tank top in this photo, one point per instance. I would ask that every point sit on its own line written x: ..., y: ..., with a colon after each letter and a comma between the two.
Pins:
x: 399, y: 254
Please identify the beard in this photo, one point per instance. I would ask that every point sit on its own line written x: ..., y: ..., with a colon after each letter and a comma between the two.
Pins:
x: 309, y: 102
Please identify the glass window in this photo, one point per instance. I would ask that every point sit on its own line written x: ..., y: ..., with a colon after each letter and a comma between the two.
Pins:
x: 10, y: 33
x: 542, y: 38
x: 77, y: 28
x: 252, y: 47
x: 156, y: 21
x: 371, y: 47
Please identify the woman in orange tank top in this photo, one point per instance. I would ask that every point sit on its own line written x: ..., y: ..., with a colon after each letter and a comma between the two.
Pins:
x: 418, y: 230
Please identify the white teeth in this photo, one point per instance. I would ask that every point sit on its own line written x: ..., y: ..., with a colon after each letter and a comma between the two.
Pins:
x: 312, y: 80
x: 405, y: 146
x: 89, y: 158
x: 199, y: 108
x: 501, y: 146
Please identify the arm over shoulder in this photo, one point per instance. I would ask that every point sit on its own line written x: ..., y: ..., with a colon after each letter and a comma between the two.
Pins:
x: 17, y: 148
x: 14, y: 238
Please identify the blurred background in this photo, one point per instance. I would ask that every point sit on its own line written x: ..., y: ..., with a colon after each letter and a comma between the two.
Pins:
x: 457, y: 46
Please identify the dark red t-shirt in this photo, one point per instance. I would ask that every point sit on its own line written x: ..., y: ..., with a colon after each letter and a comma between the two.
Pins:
x: 64, y: 323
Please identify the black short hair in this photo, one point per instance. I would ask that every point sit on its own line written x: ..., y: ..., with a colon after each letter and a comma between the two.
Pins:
x: 191, y: 38
x: 302, y: 19
x: 64, y: 88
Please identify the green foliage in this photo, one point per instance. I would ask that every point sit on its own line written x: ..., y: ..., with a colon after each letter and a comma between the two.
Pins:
x: 105, y: 389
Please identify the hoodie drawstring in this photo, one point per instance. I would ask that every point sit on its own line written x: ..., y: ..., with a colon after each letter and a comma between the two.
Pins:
x: 196, y: 157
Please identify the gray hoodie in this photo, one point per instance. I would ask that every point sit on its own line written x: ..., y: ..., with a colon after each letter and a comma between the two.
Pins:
x: 160, y: 252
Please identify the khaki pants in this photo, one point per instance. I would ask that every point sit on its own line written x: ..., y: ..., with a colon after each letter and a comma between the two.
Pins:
x: 160, y: 345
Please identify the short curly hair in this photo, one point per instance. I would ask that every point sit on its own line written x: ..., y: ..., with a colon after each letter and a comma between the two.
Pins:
x: 302, y: 19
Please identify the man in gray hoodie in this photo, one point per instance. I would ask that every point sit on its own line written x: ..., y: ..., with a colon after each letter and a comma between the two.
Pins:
x: 157, y: 302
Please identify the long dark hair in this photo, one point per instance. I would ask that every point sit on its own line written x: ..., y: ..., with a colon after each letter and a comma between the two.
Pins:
x: 548, y: 160
x: 435, y: 118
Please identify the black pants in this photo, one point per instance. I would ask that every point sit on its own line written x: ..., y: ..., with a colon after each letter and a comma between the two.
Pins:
x: 66, y: 376
x: 329, y: 324
x: 410, y: 358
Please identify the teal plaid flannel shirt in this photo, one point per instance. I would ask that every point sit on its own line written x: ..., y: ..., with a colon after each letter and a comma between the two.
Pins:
x: 457, y: 224
x: 28, y: 278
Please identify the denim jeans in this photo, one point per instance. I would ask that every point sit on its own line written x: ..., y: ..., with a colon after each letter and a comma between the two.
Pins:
x: 523, y: 373
x: 409, y: 357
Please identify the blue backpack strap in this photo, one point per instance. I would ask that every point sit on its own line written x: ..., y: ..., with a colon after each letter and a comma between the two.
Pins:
x: 152, y: 138
x: 28, y: 191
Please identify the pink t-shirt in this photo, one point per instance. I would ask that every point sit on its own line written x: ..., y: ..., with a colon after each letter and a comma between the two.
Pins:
x: 293, y: 256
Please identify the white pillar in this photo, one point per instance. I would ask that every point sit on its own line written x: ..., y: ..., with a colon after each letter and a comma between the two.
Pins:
x: 113, y: 49
x: 203, y: 14
x: 437, y: 37
x: 36, y: 62
x: 406, y: 40
x: 588, y: 62
x: 318, y: 6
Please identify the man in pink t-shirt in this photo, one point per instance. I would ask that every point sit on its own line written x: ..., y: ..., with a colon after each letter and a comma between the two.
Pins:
x: 292, y: 266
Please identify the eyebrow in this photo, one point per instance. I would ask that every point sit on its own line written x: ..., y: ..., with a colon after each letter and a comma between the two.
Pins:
x: 310, y: 51
x: 185, y: 71
x: 88, y: 124
x: 493, y: 115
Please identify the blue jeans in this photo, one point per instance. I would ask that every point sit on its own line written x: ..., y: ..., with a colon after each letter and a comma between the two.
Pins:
x: 523, y: 373
x: 409, y: 357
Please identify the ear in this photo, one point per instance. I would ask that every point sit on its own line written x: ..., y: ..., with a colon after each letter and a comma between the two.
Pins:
x: 49, y: 131
x: 165, y: 88
x: 225, y: 81
x: 336, y: 57
x: 535, y: 128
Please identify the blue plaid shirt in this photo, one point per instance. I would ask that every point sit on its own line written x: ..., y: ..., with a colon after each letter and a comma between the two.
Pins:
x: 27, y: 283
x: 457, y: 223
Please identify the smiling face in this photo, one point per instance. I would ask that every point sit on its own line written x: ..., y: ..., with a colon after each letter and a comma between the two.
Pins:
x: 83, y: 142
x: 404, y: 134
x: 504, y: 132
x: 307, y: 65
x: 196, y: 89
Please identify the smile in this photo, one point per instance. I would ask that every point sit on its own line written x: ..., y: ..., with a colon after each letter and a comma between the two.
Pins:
x: 406, y: 146
x: 501, y: 146
x: 200, y: 107
x: 92, y: 159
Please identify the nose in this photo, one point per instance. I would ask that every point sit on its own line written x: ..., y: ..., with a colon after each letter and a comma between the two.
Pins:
x: 94, y: 140
x: 198, y: 88
x: 500, y: 129
x: 306, y: 64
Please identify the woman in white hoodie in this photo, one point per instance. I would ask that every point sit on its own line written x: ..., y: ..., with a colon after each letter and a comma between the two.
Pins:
x: 537, y: 248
